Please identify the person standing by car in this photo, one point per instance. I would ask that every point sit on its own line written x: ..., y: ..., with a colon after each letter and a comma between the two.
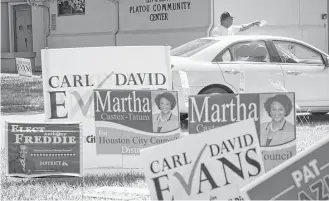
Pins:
x: 226, y: 27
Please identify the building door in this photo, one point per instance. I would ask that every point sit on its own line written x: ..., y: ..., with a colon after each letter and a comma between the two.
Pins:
x: 23, y: 28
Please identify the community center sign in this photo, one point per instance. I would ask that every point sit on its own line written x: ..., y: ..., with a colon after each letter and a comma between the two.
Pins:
x: 160, y: 14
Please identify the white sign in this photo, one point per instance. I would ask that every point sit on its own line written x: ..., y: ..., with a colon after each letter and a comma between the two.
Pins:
x: 208, y: 166
x: 24, y: 67
x: 185, y: 86
x: 71, y: 74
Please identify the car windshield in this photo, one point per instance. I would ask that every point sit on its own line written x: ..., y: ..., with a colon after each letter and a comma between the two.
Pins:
x: 193, y: 47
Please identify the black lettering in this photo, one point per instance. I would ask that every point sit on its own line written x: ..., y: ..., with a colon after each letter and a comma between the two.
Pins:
x: 90, y: 139
x: 141, y: 79
x: 211, y: 149
x: 175, y: 159
x: 54, y: 104
x: 158, y: 187
x: 159, y: 17
x: 232, y: 144
x: 224, y: 147
x: 65, y: 81
x: 240, y: 143
x: 132, y: 79
x: 231, y: 166
x: 51, y: 83
x: 118, y: 80
x: 253, y: 162
x: 150, y: 79
x: 185, y: 159
x: 152, y: 167
x: 165, y: 164
x: 77, y: 78
x: 87, y: 81
x: 204, y: 169
x: 157, y: 79
x: 246, y: 141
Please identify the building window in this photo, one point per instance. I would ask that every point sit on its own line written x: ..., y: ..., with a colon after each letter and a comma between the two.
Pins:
x: 71, y: 7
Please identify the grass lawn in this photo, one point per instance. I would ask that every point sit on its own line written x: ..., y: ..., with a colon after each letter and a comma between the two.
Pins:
x: 18, y: 95
x: 21, y: 96
x: 72, y: 188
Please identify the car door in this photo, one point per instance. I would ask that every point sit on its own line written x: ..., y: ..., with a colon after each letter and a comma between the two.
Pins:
x: 251, y: 69
x: 305, y: 73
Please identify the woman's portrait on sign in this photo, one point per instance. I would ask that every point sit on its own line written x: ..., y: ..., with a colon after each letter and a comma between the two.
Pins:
x: 277, y: 119
x: 165, y: 111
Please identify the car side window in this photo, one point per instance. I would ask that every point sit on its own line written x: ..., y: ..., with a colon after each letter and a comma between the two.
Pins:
x: 291, y: 52
x: 226, y: 57
x: 253, y: 51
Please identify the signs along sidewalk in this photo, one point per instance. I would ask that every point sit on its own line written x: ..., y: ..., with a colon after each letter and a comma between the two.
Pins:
x: 71, y: 74
x: 204, y: 167
x: 303, y: 177
x: 44, y: 149
x: 267, y: 109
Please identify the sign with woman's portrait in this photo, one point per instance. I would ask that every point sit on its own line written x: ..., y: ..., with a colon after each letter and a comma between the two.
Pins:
x: 129, y: 120
x: 273, y: 114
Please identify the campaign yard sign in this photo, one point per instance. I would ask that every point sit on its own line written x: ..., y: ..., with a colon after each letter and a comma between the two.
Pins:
x: 44, y: 149
x: 212, y: 166
x: 24, y: 68
x: 303, y: 177
x: 71, y: 74
x: 273, y: 113
x: 127, y: 120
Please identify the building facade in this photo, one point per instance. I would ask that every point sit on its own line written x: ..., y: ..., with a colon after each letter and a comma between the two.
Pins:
x: 27, y: 26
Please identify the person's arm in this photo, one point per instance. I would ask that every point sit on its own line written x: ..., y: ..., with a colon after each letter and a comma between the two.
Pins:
x: 215, y: 31
x: 245, y: 27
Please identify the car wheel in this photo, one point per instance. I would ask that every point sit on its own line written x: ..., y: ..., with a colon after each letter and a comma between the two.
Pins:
x: 214, y: 91
x: 319, y: 113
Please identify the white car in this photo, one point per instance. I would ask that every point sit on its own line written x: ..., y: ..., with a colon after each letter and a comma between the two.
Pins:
x: 252, y: 64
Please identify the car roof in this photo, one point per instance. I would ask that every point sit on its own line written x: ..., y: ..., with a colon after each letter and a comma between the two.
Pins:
x: 208, y: 53
x: 250, y: 37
